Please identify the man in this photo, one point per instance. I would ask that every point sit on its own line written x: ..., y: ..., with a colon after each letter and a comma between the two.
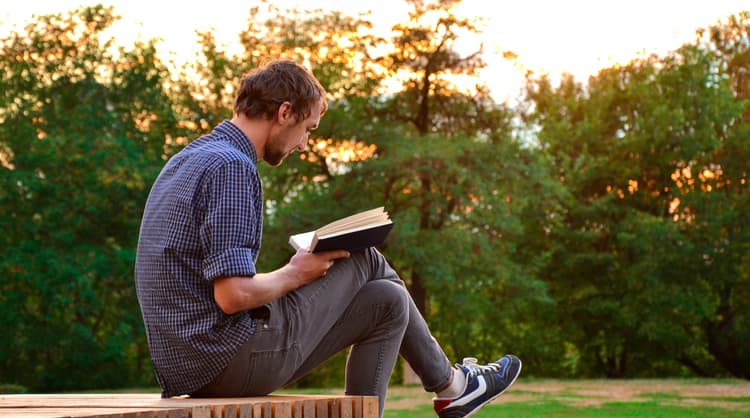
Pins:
x: 217, y: 327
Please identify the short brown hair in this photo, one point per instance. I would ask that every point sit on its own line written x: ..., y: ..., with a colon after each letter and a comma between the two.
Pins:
x: 265, y: 88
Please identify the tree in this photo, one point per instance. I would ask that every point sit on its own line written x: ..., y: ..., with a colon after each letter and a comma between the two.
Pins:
x: 720, y: 208
x: 444, y: 163
x: 334, y: 46
x: 427, y: 59
x: 641, y: 151
x: 457, y: 181
x: 82, y: 137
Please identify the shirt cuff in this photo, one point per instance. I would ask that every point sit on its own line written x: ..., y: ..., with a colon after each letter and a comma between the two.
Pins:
x: 229, y: 263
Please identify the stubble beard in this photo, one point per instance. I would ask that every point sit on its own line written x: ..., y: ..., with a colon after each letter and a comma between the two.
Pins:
x: 274, y: 156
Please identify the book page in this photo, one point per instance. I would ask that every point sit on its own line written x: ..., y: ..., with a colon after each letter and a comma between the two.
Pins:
x: 353, y: 228
x: 357, y: 224
x: 369, y: 217
x: 302, y: 240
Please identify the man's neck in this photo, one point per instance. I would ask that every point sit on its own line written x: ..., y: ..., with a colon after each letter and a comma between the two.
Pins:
x: 257, y: 130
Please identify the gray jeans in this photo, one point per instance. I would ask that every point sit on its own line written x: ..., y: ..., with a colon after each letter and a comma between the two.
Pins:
x: 360, y: 303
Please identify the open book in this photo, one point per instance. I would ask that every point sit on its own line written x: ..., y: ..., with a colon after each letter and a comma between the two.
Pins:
x: 355, y: 232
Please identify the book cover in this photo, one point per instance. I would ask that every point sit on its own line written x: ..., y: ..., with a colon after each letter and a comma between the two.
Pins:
x: 353, y: 233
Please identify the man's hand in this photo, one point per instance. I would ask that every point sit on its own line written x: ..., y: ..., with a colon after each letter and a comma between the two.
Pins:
x: 307, y: 266
x: 235, y: 294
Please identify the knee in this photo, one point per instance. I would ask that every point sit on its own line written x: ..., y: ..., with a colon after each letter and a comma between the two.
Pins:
x: 393, y: 298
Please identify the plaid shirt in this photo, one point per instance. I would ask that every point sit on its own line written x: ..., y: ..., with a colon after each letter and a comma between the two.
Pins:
x: 202, y: 221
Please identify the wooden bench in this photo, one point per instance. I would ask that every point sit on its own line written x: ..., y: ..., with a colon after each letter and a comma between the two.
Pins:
x: 150, y: 405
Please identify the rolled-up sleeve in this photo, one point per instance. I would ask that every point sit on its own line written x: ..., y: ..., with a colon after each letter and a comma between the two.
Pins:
x: 230, y: 227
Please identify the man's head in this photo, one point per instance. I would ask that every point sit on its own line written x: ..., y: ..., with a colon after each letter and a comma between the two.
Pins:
x: 287, y: 94
x: 265, y: 88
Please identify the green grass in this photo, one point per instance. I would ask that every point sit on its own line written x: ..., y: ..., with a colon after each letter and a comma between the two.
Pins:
x: 653, y: 398
x: 556, y: 409
x: 745, y: 399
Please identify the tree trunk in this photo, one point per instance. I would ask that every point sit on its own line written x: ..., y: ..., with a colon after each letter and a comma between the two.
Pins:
x: 418, y: 293
x: 725, y: 350
x: 693, y: 366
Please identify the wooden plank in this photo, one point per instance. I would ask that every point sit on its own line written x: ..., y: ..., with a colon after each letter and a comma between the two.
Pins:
x: 308, y: 408
x: 267, y: 410
x: 52, y: 412
x: 172, y: 413
x: 200, y: 411
x: 282, y: 409
x: 217, y: 411
x: 321, y: 408
x: 257, y: 410
x: 346, y: 408
x: 127, y: 400
x: 370, y: 407
x: 246, y: 410
x: 151, y: 405
x: 297, y: 409
x: 135, y: 401
x: 334, y: 408
x: 357, y: 407
x: 229, y: 411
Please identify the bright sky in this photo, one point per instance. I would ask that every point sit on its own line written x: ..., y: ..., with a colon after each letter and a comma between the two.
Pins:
x: 575, y: 36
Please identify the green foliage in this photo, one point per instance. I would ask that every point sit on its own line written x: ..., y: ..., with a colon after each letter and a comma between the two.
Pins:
x: 598, y: 230
x: 647, y: 255
x: 83, y: 134
x: 8, y: 388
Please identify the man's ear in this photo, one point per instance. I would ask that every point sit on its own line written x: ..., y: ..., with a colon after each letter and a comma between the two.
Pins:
x: 285, y: 115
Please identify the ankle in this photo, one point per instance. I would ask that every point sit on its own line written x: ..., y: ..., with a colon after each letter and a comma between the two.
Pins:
x: 454, y: 387
x: 450, y: 381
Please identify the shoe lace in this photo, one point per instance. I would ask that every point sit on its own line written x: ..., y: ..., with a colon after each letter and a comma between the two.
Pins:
x: 474, y: 369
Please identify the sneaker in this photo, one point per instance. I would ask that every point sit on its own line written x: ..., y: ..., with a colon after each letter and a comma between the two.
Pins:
x: 483, y: 385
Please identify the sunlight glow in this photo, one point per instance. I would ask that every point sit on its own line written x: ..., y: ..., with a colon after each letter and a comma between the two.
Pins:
x: 6, y: 159
x: 337, y: 153
x: 546, y: 36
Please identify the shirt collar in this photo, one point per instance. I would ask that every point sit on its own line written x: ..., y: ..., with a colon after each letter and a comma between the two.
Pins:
x: 238, y: 138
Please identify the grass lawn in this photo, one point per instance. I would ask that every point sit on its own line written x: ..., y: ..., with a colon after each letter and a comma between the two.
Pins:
x: 694, y: 398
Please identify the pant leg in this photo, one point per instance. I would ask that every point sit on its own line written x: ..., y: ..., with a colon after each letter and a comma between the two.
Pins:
x: 373, y: 325
x: 418, y: 347
x: 297, y: 324
x: 424, y: 354
x: 293, y: 340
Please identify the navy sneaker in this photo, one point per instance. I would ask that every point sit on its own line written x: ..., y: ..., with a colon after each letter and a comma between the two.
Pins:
x: 483, y: 384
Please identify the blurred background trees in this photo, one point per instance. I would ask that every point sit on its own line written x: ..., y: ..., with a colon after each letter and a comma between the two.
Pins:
x: 82, y: 136
x: 595, y: 230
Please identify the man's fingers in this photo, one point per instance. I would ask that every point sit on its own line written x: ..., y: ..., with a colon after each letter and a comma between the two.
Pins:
x: 332, y: 255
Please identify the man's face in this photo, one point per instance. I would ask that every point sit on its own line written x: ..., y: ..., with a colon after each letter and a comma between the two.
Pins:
x: 289, y: 136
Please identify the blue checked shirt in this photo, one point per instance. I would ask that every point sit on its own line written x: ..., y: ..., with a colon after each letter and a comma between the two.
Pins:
x: 202, y: 221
